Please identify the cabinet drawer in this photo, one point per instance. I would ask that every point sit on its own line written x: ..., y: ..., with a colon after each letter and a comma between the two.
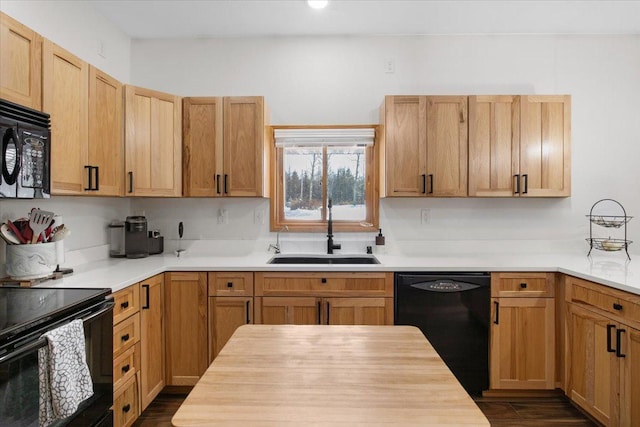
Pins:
x: 126, y: 403
x: 231, y: 284
x: 324, y: 284
x: 127, y: 302
x: 522, y: 285
x: 126, y: 334
x: 125, y: 366
x: 622, y: 304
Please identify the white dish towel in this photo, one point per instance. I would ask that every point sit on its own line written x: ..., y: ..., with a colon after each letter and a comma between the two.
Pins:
x: 64, y: 377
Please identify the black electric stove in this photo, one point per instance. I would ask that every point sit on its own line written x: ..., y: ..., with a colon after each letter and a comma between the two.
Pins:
x: 25, y: 315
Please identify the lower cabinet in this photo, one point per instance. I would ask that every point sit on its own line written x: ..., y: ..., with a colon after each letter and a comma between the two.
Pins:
x: 603, y: 352
x: 522, y: 341
x: 126, y: 356
x: 186, y: 327
x: 152, y: 367
x: 324, y: 298
x: 230, y: 306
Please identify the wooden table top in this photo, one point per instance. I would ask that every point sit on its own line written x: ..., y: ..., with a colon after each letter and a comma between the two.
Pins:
x: 269, y: 375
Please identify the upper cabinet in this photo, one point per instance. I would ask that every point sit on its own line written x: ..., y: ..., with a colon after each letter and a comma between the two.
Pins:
x: 105, y: 150
x: 86, y: 125
x: 153, y: 140
x: 425, y: 147
x: 520, y: 146
x: 20, y: 63
x: 65, y: 98
x: 226, y: 149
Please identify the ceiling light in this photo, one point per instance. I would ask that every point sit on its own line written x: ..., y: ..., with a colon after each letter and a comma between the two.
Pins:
x: 318, y: 4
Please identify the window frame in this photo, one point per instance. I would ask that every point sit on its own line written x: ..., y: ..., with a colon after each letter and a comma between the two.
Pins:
x: 372, y: 193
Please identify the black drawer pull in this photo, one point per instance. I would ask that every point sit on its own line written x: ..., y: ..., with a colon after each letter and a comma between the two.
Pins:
x: 497, y: 319
x: 130, y: 182
x: 323, y: 280
x: 517, y: 189
x: 619, y: 333
x: 523, y: 285
x: 248, y: 303
x: 319, y: 313
x: 124, y: 304
x: 430, y: 183
x: 328, y: 313
x: 609, y: 340
x: 126, y: 408
x: 126, y: 368
x: 229, y: 284
x: 526, y: 183
x: 424, y: 183
x: 617, y: 306
x: 125, y: 338
x: 146, y: 302
x: 89, y: 186
x: 218, y: 184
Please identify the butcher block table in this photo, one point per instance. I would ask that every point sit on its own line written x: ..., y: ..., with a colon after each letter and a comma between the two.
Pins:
x: 277, y: 375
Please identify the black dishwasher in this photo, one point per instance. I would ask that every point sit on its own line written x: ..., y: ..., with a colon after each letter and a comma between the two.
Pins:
x: 452, y: 310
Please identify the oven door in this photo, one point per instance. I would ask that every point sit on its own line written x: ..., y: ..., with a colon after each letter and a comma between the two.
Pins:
x: 19, y: 384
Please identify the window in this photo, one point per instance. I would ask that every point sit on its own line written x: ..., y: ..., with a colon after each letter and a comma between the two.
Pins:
x: 316, y: 165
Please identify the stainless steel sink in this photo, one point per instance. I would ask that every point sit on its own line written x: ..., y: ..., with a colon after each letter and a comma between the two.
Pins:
x: 323, y: 259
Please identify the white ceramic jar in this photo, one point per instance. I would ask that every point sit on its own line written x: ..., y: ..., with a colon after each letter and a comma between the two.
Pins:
x: 34, y: 261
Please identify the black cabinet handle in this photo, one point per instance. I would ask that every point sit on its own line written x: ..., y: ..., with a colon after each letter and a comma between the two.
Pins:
x: 126, y: 368
x: 619, y: 333
x: 218, y: 184
x: 319, y: 313
x: 526, y: 183
x: 424, y: 183
x: 125, y: 338
x: 248, y: 307
x: 97, y: 169
x: 226, y: 178
x: 497, y: 318
x: 323, y: 280
x: 609, y: 329
x: 328, y: 313
x: 517, y: 189
x: 430, y: 183
x: 89, y: 187
x: 126, y: 408
x: 617, y: 306
x: 124, y: 305
x: 146, y: 302
x: 229, y: 284
x: 130, y: 182
x: 523, y: 285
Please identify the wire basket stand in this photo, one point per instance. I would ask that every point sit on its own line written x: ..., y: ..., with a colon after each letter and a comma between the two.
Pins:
x: 608, y: 244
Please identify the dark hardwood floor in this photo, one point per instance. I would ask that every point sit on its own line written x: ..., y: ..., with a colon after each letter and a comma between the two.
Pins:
x: 501, y: 412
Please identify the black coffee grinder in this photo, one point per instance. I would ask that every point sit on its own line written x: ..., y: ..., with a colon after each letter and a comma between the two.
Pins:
x: 136, y: 243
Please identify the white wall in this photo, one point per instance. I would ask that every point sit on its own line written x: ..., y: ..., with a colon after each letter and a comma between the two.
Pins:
x: 334, y: 80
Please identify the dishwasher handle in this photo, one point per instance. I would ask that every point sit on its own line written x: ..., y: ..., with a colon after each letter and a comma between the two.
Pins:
x: 444, y: 285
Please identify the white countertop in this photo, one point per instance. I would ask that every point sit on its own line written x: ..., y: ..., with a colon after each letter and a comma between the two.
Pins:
x: 116, y: 274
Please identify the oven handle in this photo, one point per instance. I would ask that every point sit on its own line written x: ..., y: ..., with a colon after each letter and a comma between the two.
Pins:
x: 41, y: 342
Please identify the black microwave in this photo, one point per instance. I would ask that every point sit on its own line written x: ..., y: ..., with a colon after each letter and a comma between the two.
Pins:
x: 25, y: 156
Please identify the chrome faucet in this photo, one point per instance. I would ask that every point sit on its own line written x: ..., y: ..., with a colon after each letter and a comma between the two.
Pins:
x: 276, y: 247
x: 330, y: 245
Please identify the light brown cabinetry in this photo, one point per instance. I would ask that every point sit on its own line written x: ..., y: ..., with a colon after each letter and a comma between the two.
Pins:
x: 152, y: 325
x: 520, y: 146
x: 522, y: 340
x: 425, y: 146
x: 153, y: 143
x: 86, y: 124
x: 126, y: 356
x: 20, y: 63
x: 230, y: 306
x: 226, y: 150
x: 603, y: 352
x: 65, y: 97
x: 324, y: 298
x: 105, y: 149
x: 186, y: 328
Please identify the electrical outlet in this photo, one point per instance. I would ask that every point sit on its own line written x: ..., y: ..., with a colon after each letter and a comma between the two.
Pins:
x: 425, y: 216
x: 258, y: 216
x: 223, y: 217
x: 389, y: 66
